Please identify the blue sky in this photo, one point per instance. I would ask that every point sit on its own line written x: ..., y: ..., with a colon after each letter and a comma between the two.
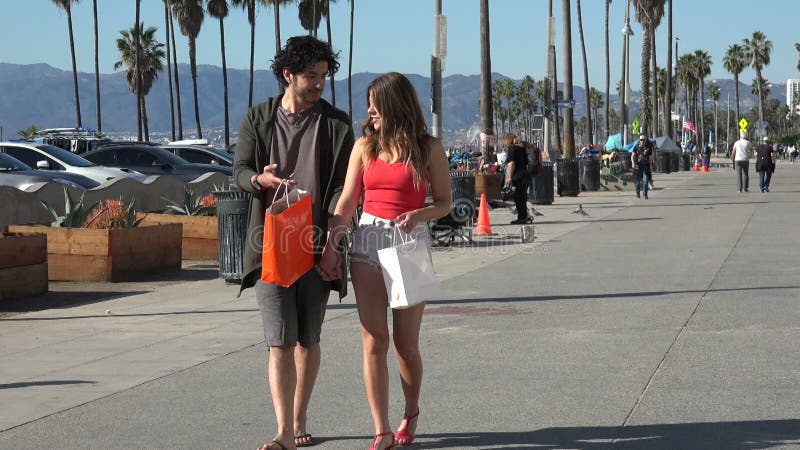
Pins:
x: 398, y: 35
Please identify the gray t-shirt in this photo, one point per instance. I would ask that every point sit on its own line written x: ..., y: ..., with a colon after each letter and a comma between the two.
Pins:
x: 295, y: 149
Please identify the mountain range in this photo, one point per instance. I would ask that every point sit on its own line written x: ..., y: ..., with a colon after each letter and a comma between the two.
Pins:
x: 41, y: 95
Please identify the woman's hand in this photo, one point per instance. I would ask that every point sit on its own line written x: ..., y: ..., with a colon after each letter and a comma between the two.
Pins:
x: 330, y: 264
x: 407, y: 221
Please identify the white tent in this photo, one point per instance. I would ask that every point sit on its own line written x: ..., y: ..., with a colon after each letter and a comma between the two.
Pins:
x: 666, y: 144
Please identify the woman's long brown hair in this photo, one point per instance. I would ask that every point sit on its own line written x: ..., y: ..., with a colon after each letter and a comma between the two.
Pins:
x: 403, y: 130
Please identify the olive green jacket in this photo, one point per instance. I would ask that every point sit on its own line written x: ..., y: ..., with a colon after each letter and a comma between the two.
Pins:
x: 253, y: 153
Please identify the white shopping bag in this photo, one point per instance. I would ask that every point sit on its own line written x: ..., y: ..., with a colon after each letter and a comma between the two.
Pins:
x: 408, y: 272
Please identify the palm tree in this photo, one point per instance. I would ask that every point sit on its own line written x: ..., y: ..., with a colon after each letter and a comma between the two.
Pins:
x: 96, y: 68
x: 137, y: 68
x: 735, y: 61
x: 608, y: 72
x: 713, y: 94
x: 585, y: 76
x: 648, y: 14
x: 350, y: 62
x: 702, y: 70
x: 310, y: 13
x: 760, y: 88
x: 526, y: 102
x: 175, y: 66
x: 569, y: 118
x: 219, y: 9
x: 595, y: 101
x: 189, y: 14
x: 150, y: 58
x: 66, y: 5
x: 487, y: 127
x: 167, y: 27
x: 758, y: 49
x: 667, y: 122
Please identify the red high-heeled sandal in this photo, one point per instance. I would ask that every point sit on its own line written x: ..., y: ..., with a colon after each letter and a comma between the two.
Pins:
x: 403, y: 437
x: 375, y: 440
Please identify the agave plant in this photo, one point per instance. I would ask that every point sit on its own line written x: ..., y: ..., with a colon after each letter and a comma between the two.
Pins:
x: 192, y: 206
x: 75, y: 213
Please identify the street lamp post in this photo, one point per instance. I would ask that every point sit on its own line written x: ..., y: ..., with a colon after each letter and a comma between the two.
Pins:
x: 627, y: 32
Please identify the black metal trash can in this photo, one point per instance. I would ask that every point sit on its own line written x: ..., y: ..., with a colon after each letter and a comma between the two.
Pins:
x: 663, y: 164
x: 567, y: 177
x: 675, y: 159
x: 590, y: 174
x: 541, y: 190
x: 232, y: 217
x: 686, y: 161
x: 462, y: 195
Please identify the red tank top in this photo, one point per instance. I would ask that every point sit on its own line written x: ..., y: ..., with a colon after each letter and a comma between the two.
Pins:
x: 389, y: 189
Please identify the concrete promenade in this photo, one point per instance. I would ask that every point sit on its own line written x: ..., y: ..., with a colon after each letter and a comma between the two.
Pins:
x: 668, y: 323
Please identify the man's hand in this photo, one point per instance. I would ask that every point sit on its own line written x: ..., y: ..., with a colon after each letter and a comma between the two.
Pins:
x: 267, y: 179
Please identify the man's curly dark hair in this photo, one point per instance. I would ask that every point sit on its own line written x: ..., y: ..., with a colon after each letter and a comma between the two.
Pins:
x: 299, y: 53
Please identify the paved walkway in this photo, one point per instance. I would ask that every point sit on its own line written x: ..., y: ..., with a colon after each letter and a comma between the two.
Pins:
x: 664, y: 323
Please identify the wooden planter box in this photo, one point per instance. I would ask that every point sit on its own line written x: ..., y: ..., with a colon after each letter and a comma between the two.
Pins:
x: 23, y: 265
x: 199, y: 234
x: 82, y: 254
x: 489, y: 184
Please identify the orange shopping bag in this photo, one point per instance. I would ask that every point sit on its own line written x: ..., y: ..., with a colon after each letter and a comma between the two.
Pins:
x: 288, y: 251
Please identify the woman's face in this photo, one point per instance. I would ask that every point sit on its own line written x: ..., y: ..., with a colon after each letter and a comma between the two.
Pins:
x: 374, y: 115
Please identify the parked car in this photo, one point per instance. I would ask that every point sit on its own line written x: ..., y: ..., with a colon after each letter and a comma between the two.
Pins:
x: 51, y: 158
x: 151, y: 160
x: 201, y: 154
x: 16, y: 173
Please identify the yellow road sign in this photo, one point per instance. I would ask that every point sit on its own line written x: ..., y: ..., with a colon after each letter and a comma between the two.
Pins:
x: 743, y: 124
x: 635, y: 124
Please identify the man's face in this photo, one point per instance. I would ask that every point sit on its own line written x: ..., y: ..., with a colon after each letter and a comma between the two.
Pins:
x: 307, y: 86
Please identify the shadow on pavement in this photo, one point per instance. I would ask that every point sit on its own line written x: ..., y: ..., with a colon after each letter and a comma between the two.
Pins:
x: 759, y: 434
x: 25, y: 384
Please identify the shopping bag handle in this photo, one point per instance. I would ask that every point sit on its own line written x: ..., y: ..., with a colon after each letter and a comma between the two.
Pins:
x: 397, y: 231
x: 285, y: 184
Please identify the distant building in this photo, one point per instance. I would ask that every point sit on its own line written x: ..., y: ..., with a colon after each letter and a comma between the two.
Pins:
x: 792, y: 89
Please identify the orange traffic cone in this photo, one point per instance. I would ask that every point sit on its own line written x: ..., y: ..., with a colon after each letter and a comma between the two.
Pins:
x: 696, y: 165
x: 484, y: 227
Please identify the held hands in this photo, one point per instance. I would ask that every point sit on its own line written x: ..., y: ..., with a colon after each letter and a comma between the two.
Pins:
x: 268, y: 180
x: 330, y: 264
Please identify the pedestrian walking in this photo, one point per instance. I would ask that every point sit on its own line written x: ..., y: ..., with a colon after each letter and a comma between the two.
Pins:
x: 393, y: 165
x: 517, y: 175
x: 740, y: 156
x: 792, y: 153
x: 642, y: 162
x: 299, y: 139
x: 765, y: 163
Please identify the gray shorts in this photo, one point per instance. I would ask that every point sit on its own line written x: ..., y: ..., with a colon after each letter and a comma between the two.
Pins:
x: 374, y: 233
x: 293, y: 314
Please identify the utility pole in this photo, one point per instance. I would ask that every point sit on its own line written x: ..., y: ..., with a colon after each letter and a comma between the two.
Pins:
x: 627, y: 32
x: 437, y: 66
x: 569, y: 118
x: 728, y: 122
x: 548, y: 81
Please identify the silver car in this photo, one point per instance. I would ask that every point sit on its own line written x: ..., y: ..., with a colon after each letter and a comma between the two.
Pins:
x: 51, y: 158
x: 16, y: 173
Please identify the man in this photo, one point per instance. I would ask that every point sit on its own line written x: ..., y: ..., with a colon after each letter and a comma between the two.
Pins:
x: 765, y: 163
x: 740, y: 154
x: 517, y: 175
x: 642, y: 161
x: 299, y: 138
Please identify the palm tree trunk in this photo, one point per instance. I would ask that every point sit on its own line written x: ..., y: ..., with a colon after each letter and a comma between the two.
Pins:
x: 608, y: 76
x: 702, y: 112
x: 137, y: 74
x: 177, y: 78
x: 277, y: 26
x: 74, y: 65
x: 193, y: 62
x: 667, y: 122
x: 330, y: 42
x: 350, y: 63
x: 759, y: 82
x: 654, y: 123
x: 252, y: 13
x: 589, y: 139
x: 224, y: 82
x: 169, y: 71
x: 487, y: 127
x: 97, y: 70
x: 145, y: 124
x: 569, y: 118
x: 645, y: 112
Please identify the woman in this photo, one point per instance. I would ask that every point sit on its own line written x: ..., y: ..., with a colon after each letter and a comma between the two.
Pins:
x: 392, y: 164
